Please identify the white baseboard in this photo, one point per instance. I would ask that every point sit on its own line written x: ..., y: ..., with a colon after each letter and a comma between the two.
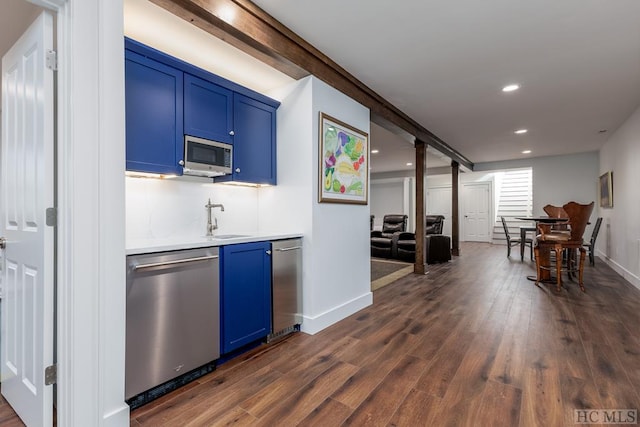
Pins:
x: 313, y: 325
x: 626, y: 274
x: 117, y: 418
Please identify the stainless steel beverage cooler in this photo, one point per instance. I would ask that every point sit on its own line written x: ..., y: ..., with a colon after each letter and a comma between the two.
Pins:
x: 286, y: 286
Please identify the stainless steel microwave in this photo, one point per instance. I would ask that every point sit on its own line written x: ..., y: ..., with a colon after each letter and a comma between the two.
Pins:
x: 203, y: 157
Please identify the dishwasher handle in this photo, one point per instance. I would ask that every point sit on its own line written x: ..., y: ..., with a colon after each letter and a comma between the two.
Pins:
x: 292, y: 248
x: 178, y: 261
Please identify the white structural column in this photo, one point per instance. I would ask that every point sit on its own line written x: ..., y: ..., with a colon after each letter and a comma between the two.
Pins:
x: 91, y: 234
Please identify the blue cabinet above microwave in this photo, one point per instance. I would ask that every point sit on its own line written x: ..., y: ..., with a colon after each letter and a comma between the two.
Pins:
x: 167, y: 98
x: 207, y: 110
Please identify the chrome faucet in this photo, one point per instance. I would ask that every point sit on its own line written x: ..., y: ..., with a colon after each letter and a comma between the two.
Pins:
x: 212, y: 226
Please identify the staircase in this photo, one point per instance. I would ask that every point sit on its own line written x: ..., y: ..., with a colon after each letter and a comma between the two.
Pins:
x: 515, y: 198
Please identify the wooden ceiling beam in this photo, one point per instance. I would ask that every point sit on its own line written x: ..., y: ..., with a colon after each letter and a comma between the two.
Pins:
x: 258, y: 34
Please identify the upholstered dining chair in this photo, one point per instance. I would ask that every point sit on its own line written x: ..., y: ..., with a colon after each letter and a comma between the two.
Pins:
x: 558, y: 241
x: 513, y: 241
x: 591, y: 245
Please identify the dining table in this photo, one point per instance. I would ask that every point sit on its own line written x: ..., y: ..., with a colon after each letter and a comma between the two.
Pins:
x: 545, y: 274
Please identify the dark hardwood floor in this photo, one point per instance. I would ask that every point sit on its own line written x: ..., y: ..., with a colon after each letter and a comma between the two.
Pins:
x: 472, y: 343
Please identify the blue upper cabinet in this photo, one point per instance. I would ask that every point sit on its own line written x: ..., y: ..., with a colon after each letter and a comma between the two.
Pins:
x: 154, y: 116
x: 245, y: 294
x: 254, y: 141
x: 207, y: 110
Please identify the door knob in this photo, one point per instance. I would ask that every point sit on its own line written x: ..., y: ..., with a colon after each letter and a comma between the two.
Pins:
x: 237, y: 170
x: 3, y: 243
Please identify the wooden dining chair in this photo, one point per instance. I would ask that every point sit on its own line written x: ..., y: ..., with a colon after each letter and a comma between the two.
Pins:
x: 591, y: 245
x: 513, y: 241
x: 560, y: 240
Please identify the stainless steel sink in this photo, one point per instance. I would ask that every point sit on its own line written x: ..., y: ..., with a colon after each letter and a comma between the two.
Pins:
x: 229, y: 236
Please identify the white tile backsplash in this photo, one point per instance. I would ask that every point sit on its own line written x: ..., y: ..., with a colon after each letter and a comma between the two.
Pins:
x: 175, y: 207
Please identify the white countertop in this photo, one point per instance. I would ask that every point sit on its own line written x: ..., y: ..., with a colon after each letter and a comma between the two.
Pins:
x: 151, y: 245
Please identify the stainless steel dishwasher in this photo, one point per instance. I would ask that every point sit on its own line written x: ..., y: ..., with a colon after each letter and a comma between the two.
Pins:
x: 173, y: 316
x: 286, y: 286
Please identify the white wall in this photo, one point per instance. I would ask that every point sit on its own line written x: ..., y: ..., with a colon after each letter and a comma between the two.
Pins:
x: 168, y: 208
x: 619, y: 238
x: 336, y: 268
x: 390, y: 196
x: 341, y: 283
x: 287, y: 207
x: 558, y: 179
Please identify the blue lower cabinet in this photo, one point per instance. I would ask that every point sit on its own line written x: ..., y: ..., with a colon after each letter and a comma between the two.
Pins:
x: 245, y: 294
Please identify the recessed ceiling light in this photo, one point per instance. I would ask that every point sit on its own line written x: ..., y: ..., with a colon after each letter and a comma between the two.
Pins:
x: 409, y: 164
x: 375, y: 151
x: 511, y: 88
x: 526, y: 152
x: 520, y: 131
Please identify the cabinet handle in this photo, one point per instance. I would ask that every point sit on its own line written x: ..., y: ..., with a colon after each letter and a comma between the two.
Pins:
x: 268, y: 252
x: 293, y: 248
x: 232, y: 133
x: 178, y: 261
x: 237, y: 170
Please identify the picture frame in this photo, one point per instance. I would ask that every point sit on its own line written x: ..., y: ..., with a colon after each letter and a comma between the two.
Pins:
x: 606, y: 190
x: 343, y: 169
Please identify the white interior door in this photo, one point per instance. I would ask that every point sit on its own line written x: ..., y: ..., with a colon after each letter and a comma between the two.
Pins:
x: 439, y: 203
x: 27, y: 178
x: 477, y: 211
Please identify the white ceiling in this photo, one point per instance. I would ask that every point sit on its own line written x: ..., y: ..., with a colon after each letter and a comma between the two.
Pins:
x: 444, y: 63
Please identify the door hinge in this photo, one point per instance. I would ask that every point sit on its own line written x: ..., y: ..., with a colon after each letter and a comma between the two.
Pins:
x: 51, y: 217
x: 52, y: 60
x: 50, y: 374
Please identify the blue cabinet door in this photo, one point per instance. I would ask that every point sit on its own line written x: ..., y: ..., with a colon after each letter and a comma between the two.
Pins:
x: 245, y: 294
x: 254, y: 141
x: 154, y: 117
x: 207, y: 110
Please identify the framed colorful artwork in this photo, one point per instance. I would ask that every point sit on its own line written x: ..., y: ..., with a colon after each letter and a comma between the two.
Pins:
x: 344, y: 162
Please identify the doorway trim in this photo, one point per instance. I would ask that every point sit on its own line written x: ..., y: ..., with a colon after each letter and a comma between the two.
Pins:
x: 90, y: 212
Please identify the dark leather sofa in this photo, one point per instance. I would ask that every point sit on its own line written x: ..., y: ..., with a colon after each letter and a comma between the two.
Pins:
x: 382, y: 242
x: 434, y: 224
x: 437, y: 246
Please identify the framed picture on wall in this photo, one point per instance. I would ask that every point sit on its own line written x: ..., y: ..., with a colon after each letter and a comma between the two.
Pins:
x: 606, y: 190
x: 344, y: 162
